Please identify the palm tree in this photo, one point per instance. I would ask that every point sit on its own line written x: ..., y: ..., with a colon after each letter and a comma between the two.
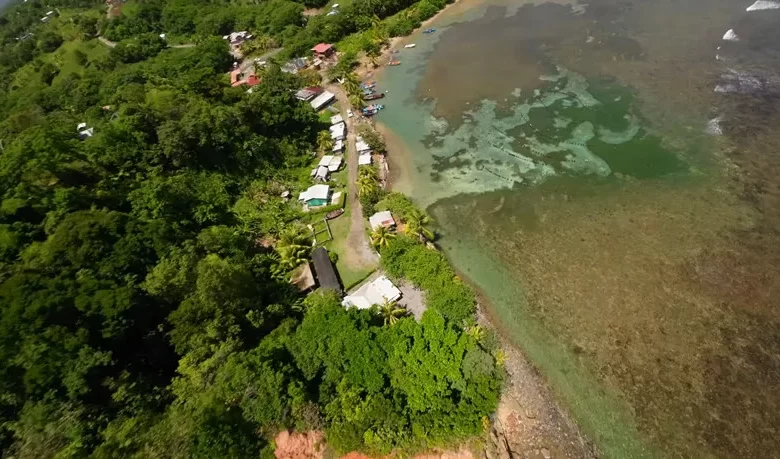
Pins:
x: 366, y: 185
x: 391, y: 312
x: 294, y: 247
x: 476, y: 332
x: 356, y: 101
x: 381, y: 237
x: 324, y: 141
x: 351, y: 84
x: 415, y: 225
x: 369, y: 172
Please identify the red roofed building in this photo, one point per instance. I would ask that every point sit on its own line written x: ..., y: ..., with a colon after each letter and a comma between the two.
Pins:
x: 253, y: 80
x: 323, y: 50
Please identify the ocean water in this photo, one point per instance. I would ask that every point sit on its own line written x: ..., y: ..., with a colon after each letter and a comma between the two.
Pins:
x: 608, y: 176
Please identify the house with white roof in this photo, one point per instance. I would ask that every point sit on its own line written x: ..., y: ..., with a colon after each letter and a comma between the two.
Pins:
x: 337, y: 131
x: 376, y: 292
x: 322, y: 100
x: 338, y: 146
x: 384, y: 218
x: 336, y: 119
x: 333, y: 163
x: 316, y: 195
x: 361, y: 146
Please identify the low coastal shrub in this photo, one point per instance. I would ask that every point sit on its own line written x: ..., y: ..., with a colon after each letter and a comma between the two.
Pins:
x: 398, y: 204
x: 429, y: 270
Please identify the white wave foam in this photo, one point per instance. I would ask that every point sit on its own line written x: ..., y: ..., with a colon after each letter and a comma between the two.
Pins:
x: 730, y: 35
x: 713, y: 127
x: 764, y: 5
x: 734, y: 81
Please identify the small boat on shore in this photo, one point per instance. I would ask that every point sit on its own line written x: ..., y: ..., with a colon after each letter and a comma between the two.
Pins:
x: 368, y: 84
x: 373, y: 96
x: 410, y: 45
x: 372, y: 110
x: 394, y: 63
x: 334, y: 214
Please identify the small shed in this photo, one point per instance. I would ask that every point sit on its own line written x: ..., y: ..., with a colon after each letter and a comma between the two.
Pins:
x: 336, y: 119
x: 384, y: 218
x: 303, y: 278
x: 338, y: 146
x: 325, y: 271
x: 364, y: 160
x: 321, y: 173
x: 323, y: 50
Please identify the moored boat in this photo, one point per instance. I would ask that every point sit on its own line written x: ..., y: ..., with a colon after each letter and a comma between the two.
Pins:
x: 394, y: 63
x: 374, y: 96
x: 410, y: 45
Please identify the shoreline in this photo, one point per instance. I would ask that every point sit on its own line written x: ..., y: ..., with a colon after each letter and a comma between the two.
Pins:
x: 531, y: 420
x: 364, y: 68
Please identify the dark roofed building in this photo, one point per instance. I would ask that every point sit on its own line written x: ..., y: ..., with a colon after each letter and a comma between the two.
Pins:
x: 324, y: 270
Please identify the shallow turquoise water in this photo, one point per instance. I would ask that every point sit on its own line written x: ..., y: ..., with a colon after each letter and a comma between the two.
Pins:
x: 591, y: 182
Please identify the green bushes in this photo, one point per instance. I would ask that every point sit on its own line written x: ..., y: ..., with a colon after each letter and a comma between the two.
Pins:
x: 429, y: 270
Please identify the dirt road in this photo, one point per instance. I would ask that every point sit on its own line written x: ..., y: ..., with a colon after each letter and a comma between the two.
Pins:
x: 360, y: 253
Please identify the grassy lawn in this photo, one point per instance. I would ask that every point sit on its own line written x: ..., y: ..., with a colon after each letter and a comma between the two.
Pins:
x: 64, y: 58
x: 350, y: 275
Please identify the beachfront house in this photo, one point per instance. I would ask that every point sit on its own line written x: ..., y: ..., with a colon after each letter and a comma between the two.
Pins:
x: 323, y: 50
x: 325, y: 271
x: 322, y: 100
x: 315, y: 196
x: 378, y: 291
x: 379, y: 219
x: 364, y: 152
x: 362, y: 147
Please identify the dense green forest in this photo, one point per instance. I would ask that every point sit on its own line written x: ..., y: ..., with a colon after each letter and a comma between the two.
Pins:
x: 140, y: 314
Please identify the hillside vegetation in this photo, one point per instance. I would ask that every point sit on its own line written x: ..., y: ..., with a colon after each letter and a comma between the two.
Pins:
x: 141, y: 314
